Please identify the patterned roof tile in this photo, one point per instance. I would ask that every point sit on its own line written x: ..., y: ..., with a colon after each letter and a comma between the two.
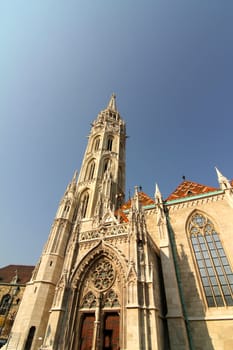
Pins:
x: 189, y: 188
x: 144, y: 200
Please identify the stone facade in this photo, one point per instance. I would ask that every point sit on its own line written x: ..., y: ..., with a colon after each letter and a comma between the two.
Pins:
x: 148, y: 274
x: 13, y: 279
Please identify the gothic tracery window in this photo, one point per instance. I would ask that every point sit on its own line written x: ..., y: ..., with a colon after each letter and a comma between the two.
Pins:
x: 102, y: 275
x: 106, y: 165
x: 84, y: 204
x: 96, y: 143
x: 90, y: 170
x: 213, y: 265
x: 109, y: 143
x: 66, y: 208
x: 5, y: 304
x: 89, y: 300
x: 111, y: 299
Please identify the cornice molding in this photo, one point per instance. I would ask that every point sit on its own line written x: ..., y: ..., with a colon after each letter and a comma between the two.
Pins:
x: 196, y: 202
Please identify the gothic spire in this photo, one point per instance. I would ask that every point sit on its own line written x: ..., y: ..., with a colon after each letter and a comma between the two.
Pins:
x: 112, y: 103
x: 222, y: 180
x: 158, y: 196
x: 74, y: 180
x: 135, y: 203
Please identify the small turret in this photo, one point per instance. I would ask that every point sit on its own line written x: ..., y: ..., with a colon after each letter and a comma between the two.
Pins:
x: 158, y: 196
x: 159, y: 206
x: 67, y: 200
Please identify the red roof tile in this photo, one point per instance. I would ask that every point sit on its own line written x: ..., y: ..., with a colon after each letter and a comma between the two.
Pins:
x: 144, y: 199
x: 24, y: 273
x: 189, y: 188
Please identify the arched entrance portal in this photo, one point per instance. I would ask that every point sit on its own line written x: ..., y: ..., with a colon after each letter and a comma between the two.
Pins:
x: 99, y: 307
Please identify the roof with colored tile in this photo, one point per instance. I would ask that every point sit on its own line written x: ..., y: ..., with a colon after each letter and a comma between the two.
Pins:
x: 144, y: 200
x: 9, y: 272
x: 190, y: 188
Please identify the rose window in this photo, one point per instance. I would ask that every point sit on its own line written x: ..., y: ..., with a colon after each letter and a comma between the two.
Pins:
x: 103, y: 275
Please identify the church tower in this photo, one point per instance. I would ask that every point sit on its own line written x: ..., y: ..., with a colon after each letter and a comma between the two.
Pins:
x: 101, y: 183
x: 92, y: 288
x: 146, y: 274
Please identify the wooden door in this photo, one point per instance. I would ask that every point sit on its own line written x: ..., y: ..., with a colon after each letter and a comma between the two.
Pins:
x: 87, y: 330
x: 111, y: 332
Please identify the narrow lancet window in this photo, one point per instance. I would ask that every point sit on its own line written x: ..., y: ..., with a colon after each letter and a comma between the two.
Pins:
x: 109, y: 143
x: 213, y: 265
x: 5, y: 304
x: 106, y: 165
x: 84, y: 204
x: 96, y: 144
x: 90, y: 171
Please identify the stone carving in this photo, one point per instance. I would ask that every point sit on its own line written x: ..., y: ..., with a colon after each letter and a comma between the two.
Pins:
x: 89, y: 301
x: 111, y: 299
x: 188, y: 203
x: 113, y: 230
x: 103, y: 275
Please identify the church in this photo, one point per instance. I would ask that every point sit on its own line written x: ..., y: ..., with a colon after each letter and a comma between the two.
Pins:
x: 143, y: 274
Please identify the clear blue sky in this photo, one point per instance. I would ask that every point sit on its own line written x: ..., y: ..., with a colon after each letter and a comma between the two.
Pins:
x: 170, y: 64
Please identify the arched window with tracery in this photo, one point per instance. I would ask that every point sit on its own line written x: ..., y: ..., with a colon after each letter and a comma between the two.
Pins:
x: 66, y: 208
x: 109, y: 143
x: 89, y: 301
x: 96, y: 144
x: 5, y: 304
x: 84, y: 204
x: 90, y: 170
x: 215, y: 271
x: 106, y: 165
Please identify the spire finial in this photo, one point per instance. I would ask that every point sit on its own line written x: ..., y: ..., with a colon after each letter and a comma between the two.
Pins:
x: 158, y: 196
x: 74, y: 180
x: 136, y: 198
x: 222, y: 180
x: 112, y: 103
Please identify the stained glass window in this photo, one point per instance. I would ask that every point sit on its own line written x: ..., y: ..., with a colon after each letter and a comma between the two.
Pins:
x: 214, y: 268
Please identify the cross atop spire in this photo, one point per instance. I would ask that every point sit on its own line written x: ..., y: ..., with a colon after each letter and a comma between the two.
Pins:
x: 112, y: 103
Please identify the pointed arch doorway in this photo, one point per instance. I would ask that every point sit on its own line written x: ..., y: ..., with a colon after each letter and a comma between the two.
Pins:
x: 108, y: 337
x: 99, y: 308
